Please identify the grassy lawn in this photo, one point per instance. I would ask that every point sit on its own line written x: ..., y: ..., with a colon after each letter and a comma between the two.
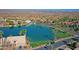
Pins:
x: 35, y: 44
x: 59, y: 34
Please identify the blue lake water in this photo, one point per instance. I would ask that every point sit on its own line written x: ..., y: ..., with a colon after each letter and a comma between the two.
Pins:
x: 35, y: 32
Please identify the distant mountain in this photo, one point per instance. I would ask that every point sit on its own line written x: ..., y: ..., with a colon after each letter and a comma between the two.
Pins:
x: 36, y: 10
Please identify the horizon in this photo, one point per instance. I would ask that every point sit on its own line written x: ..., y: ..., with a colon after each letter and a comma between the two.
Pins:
x: 37, y: 10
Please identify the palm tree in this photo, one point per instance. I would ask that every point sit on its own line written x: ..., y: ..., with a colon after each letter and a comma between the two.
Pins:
x: 51, y: 42
x: 1, y: 35
x: 23, y: 32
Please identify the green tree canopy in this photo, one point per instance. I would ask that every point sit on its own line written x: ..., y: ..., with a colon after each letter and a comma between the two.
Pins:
x: 23, y: 32
x: 1, y: 33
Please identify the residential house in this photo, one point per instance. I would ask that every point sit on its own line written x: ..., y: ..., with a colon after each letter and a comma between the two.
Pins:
x: 18, y: 42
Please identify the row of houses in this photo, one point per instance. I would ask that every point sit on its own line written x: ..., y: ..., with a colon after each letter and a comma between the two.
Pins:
x: 71, y: 22
x: 6, y: 22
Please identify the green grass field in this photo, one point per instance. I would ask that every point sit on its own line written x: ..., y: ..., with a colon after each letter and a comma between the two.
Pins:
x: 60, y: 34
x: 35, y: 44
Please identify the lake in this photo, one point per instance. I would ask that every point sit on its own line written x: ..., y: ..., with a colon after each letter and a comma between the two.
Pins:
x: 35, y: 32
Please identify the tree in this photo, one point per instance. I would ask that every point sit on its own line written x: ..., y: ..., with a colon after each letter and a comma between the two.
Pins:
x: 23, y: 32
x: 51, y: 42
x: 1, y: 34
x: 72, y: 45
